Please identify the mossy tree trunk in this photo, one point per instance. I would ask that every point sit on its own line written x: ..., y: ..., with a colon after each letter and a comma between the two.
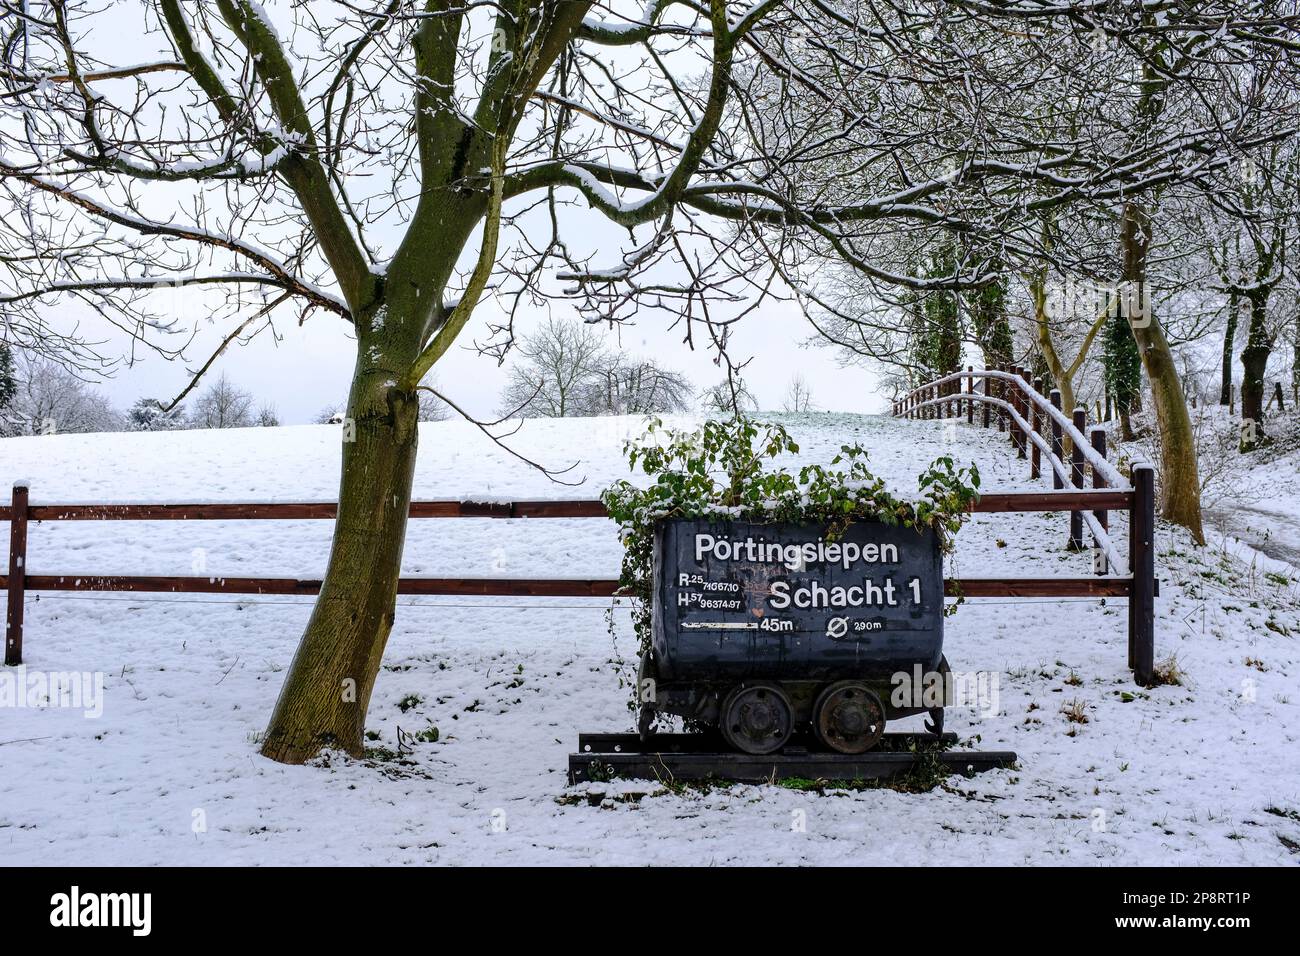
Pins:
x: 1229, y: 335
x: 327, y: 691
x: 1254, y: 364
x: 1180, y: 480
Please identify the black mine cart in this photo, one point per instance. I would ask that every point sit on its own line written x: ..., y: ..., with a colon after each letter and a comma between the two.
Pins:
x: 790, y: 646
x: 763, y: 629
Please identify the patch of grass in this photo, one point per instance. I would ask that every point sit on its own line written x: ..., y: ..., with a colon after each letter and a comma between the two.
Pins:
x: 1074, y: 680
x: 1287, y: 842
x: 372, y: 735
x: 1286, y: 814
x: 1256, y: 663
x: 1075, y: 711
x: 1168, y: 671
x: 409, y: 701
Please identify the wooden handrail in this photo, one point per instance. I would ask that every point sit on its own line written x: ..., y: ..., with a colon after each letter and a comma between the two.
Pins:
x: 1111, y: 474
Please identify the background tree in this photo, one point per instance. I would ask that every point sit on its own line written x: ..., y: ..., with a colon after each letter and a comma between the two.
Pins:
x: 223, y: 404
x: 267, y: 416
x: 630, y: 386
x: 8, y: 387
x: 51, y: 400
x: 798, y: 395
x: 152, y: 414
x: 552, y: 372
x: 728, y: 397
x: 564, y: 370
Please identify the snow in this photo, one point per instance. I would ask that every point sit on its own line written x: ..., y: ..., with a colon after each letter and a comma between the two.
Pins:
x: 1204, y: 773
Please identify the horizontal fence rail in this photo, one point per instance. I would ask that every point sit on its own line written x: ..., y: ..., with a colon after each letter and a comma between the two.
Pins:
x: 1039, y: 429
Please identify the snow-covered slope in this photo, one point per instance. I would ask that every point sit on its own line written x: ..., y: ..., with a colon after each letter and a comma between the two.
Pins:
x: 1201, y: 773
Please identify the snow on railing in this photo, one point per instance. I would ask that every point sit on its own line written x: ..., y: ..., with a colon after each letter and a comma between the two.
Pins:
x: 1097, y: 461
x: 937, y: 393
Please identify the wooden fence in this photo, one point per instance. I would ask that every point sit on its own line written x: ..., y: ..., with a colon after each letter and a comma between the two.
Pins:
x: 1040, y: 431
x: 21, y: 513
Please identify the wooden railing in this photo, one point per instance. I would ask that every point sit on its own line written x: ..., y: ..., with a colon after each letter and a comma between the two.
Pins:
x: 1040, y: 430
x: 20, y: 513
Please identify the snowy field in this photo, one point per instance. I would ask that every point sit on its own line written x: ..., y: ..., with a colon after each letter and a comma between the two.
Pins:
x: 1203, y: 773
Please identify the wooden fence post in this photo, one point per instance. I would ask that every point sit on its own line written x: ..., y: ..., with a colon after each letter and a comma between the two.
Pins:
x: 970, y: 390
x: 17, y: 575
x: 987, y: 410
x: 1142, y: 558
x: 1076, y: 478
x: 1055, y: 398
x: 1098, y: 437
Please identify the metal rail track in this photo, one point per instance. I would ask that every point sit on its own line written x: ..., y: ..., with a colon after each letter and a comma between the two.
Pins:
x: 686, y: 757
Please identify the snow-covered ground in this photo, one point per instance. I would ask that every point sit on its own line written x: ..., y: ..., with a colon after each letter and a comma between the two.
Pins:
x: 1207, y: 772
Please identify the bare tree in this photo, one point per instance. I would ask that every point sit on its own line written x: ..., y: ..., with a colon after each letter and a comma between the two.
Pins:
x: 52, y: 400
x: 552, y: 374
x: 728, y: 397
x: 798, y: 395
x: 223, y: 404
x: 564, y: 370
x: 631, y: 386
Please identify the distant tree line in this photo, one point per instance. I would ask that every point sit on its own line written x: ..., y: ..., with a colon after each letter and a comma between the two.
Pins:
x: 565, y: 369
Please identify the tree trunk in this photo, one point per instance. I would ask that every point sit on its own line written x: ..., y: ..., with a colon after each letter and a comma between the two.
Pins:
x: 1225, y: 385
x: 1047, y: 349
x: 1254, y: 363
x: 327, y: 690
x: 1180, y: 480
x: 1295, y: 365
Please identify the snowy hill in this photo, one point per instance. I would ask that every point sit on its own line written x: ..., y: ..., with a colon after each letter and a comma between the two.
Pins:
x: 1206, y: 772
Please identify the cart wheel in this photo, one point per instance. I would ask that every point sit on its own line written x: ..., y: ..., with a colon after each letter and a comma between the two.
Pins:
x: 849, y: 717
x: 756, y: 717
